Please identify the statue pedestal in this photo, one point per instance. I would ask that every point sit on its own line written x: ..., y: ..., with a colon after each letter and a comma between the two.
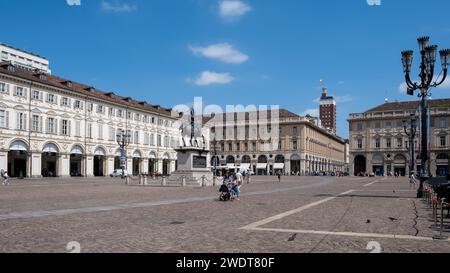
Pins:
x: 193, y: 168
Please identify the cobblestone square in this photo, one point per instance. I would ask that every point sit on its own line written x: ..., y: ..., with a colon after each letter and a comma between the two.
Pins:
x: 298, y: 215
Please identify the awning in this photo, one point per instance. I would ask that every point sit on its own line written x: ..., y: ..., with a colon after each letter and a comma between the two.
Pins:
x: 278, y: 166
x: 261, y: 166
x: 231, y: 166
x: 76, y: 150
x: 18, y: 146
x: 245, y: 166
x: 50, y: 148
x: 152, y: 156
x: 137, y: 155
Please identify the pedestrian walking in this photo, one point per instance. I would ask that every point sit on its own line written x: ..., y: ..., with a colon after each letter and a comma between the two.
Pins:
x: 412, y: 181
x: 279, y: 177
x: 5, y: 177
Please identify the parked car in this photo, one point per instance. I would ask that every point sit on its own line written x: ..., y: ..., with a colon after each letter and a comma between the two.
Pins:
x: 119, y: 173
x: 372, y: 174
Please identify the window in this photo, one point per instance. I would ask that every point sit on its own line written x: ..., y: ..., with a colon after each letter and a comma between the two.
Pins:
x: 230, y: 147
x: 238, y: 147
x: 78, y: 104
x: 89, y: 130
x: 65, y: 102
x: 111, y: 111
x: 78, y: 128
x: 137, y: 117
x: 377, y: 125
x: 111, y: 133
x: 21, y: 121
x: 65, y: 127
x: 4, y: 88
x: 388, y: 143
x: 100, y: 109
x: 399, y: 142
x: 129, y: 115
x: 359, y: 127
x: 36, y: 125
x: 254, y: 146
x: 90, y: 107
x: 295, y: 131
x: 152, y: 139
x: 4, y: 119
x: 166, y: 141
x: 153, y: 120
x: 145, y: 119
x: 279, y: 145
x: 295, y: 145
x: 36, y: 95
x: 377, y: 143
x: 51, y: 98
x: 146, y: 139
x: 443, y: 141
x: 136, y: 137
x: 19, y: 92
x: 359, y: 144
x: 119, y: 113
x: 51, y: 126
x: 388, y: 124
x: 246, y: 147
x: 100, y: 131
x: 159, y: 141
x: 442, y: 123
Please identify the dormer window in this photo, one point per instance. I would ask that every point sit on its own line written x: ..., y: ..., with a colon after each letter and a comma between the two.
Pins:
x: 110, y: 94
x: 41, y: 76
x: 90, y: 89
x: 128, y: 99
x: 68, y: 84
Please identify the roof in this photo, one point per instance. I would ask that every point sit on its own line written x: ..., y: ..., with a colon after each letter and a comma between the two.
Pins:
x: 82, y: 89
x: 408, y: 105
x: 5, y: 45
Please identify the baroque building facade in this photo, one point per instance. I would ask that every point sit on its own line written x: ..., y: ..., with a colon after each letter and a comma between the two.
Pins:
x: 379, y: 144
x: 292, y: 145
x: 50, y: 126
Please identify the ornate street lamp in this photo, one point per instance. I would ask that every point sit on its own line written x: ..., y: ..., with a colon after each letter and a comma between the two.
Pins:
x: 123, y: 139
x: 412, y: 135
x: 427, y: 66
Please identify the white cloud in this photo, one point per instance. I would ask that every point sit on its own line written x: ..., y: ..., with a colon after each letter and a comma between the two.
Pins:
x: 223, y: 52
x: 233, y: 8
x: 446, y: 85
x: 73, y: 2
x: 312, y: 112
x: 207, y: 78
x: 117, y: 7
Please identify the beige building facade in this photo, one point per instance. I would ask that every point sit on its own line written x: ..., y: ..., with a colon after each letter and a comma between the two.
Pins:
x: 290, y: 145
x: 379, y: 145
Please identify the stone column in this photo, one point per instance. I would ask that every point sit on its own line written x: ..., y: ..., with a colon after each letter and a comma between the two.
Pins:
x: 36, y: 171
x: 64, y: 165
x: 144, y: 168
x: 110, y: 166
x: 4, y: 161
x: 89, y: 166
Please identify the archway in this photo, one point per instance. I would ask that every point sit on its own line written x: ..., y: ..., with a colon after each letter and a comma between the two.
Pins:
x: 279, y: 164
x: 117, y: 160
x: 137, y: 163
x: 152, y: 163
x: 99, y: 162
x: 295, y: 164
x: 76, y: 161
x: 18, y: 159
x: 378, y: 165
x: 166, y: 165
x: 261, y: 167
x: 400, y: 165
x: 442, y: 165
x: 360, y: 165
x: 49, y: 160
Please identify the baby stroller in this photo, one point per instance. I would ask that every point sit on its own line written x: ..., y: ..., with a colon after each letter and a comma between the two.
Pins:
x: 226, y: 194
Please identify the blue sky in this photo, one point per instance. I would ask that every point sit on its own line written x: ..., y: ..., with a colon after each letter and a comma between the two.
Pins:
x: 246, y: 52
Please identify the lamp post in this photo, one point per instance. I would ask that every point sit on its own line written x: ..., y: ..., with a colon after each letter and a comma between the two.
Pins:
x: 215, y: 153
x: 412, y: 135
x: 123, y: 139
x: 427, y: 81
